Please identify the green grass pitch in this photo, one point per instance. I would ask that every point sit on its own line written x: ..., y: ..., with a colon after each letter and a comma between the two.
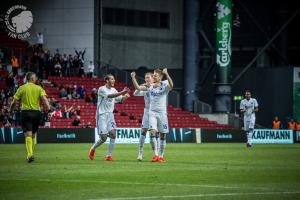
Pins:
x: 192, y: 171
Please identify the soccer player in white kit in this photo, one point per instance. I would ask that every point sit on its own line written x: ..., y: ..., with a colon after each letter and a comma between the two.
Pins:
x: 107, y: 97
x: 158, y: 119
x: 145, y: 121
x: 248, y: 107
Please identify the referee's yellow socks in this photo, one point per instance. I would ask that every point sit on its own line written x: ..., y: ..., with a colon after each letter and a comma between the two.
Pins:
x: 28, y: 141
x: 33, y: 142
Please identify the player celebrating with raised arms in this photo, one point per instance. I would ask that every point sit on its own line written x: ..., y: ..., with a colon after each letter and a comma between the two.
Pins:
x: 158, y: 119
x: 107, y: 97
x: 248, y: 107
x: 145, y: 121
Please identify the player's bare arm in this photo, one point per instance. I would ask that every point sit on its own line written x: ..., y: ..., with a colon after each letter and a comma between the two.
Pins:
x: 171, y: 84
x: 125, y: 97
x: 123, y: 92
x: 135, y: 83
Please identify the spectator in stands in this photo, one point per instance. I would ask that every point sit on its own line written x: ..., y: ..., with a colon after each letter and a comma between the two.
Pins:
x: 81, y: 91
x: 69, y: 91
x: 57, y: 68
x: 64, y: 64
x: 76, y: 121
x: 298, y: 125
x: 40, y: 40
x: 68, y: 111
x: 74, y: 86
x: 90, y: 69
x: 75, y: 95
x: 54, y: 103
x: 69, y: 66
x: 292, y: 124
x: 2, y: 95
x: 80, y: 56
x: 81, y: 71
x: 48, y: 63
x: 75, y: 65
x: 276, y: 124
x: 94, y: 96
x: 7, y: 120
x: 63, y: 93
x: 15, y: 65
x: 57, y: 114
x: 77, y: 110
x: 10, y: 82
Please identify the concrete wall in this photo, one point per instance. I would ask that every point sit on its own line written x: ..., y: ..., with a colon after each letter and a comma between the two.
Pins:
x: 66, y: 24
x: 220, y: 118
x: 131, y: 47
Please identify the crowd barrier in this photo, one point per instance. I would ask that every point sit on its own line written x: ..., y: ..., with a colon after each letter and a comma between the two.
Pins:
x: 131, y: 136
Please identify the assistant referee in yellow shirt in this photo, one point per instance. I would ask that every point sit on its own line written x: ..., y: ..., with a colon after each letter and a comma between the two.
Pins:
x: 30, y: 95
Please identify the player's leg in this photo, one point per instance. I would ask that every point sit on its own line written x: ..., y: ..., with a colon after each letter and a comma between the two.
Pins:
x: 153, y: 142
x: 158, y: 141
x: 101, y: 128
x: 163, y: 128
x: 141, y: 143
x: 112, y: 134
x: 111, y: 146
x: 145, y: 127
x: 153, y: 134
x: 246, y: 128
x: 250, y: 133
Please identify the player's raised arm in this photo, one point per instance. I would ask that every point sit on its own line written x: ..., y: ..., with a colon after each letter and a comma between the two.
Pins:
x: 135, y: 83
x: 171, y: 84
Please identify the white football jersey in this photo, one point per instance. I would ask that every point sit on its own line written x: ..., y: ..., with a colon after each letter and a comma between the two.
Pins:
x: 159, y: 97
x: 146, y: 96
x: 105, y: 104
x: 249, y: 105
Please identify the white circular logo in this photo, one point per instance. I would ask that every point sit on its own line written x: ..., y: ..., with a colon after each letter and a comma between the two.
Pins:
x: 18, y: 20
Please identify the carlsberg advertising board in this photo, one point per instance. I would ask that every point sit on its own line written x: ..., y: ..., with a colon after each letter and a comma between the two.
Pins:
x: 223, y: 37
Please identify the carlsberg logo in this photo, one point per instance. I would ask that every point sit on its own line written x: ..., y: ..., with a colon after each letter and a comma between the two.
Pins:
x: 224, y: 49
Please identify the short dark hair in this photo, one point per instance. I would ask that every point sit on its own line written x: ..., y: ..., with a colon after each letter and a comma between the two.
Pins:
x: 107, y: 76
x: 29, y: 75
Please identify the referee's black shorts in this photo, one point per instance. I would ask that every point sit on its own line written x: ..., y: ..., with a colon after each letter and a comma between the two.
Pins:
x: 30, y: 120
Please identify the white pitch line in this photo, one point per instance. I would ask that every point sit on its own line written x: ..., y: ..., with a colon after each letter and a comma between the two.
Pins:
x: 200, y: 195
x: 124, y: 183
